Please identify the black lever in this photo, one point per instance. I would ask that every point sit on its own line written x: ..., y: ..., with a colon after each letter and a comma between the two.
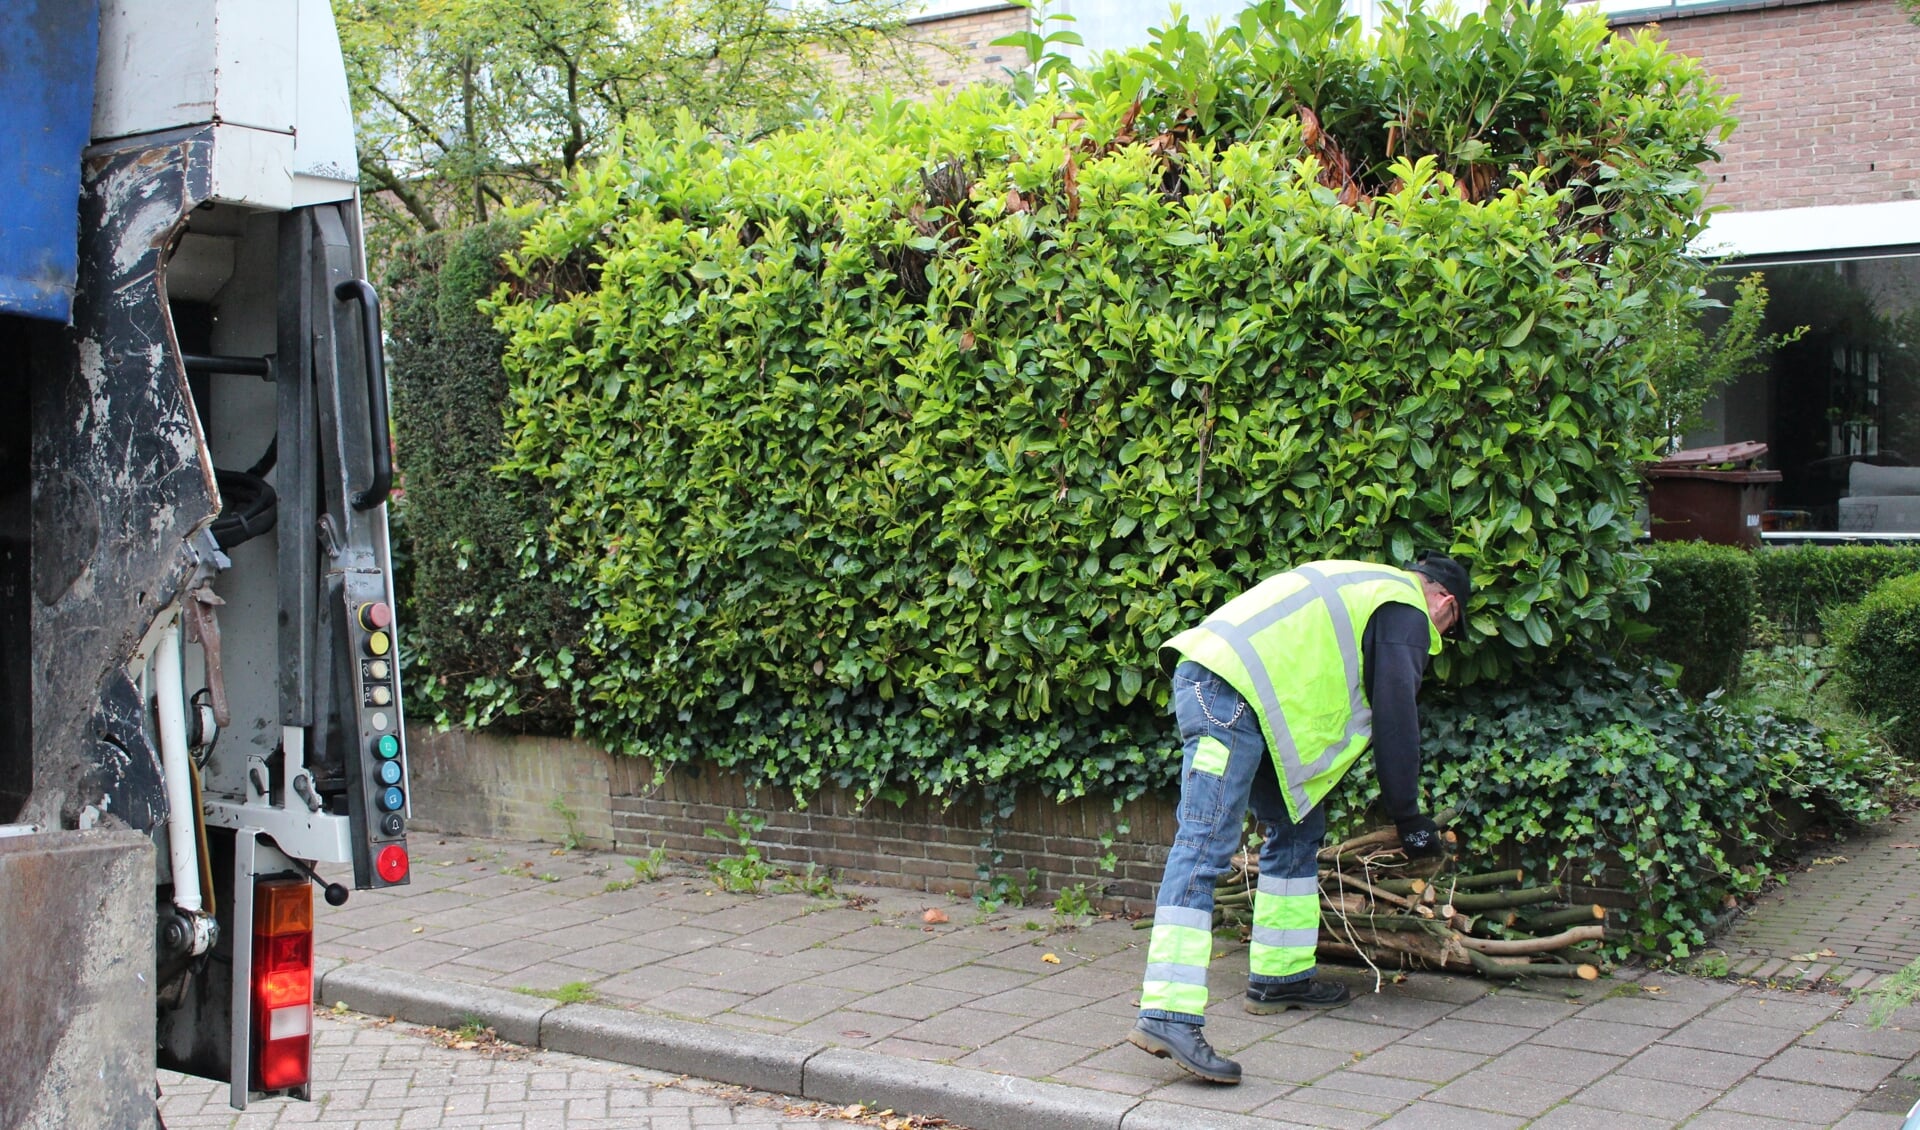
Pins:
x: 335, y: 894
x: 361, y: 291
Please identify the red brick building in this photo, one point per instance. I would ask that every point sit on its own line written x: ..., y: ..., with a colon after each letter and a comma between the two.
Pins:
x: 1820, y: 188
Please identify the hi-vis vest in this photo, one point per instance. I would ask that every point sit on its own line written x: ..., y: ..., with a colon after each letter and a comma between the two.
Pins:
x: 1291, y: 646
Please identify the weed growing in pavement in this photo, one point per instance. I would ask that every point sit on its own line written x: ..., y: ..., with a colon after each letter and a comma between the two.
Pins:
x: 649, y: 870
x: 1712, y: 965
x: 813, y: 885
x: 1899, y: 992
x: 747, y: 873
x: 559, y: 807
x: 573, y: 992
x: 1072, y: 907
x: 1007, y: 890
x: 547, y: 877
x: 471, y: 1028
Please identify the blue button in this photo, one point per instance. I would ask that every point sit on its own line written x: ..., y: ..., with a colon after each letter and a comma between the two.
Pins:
x: 393, y: 800
x: 389, y: 772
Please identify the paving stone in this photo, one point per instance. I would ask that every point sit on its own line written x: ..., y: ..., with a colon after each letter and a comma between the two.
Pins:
x: 1438, y: 1116
x: 1292, y: 1110
x: 1573, y: 1116
x: 1329, y: 1031
x: 1779, y: 1098
x: 1515, y: 1009
x: 1731, y: 1036
x: 1604, y: 1036
x: 1574, y: 1066
x: 1676, y: 1063
x: 1651, y: 1097
x: 1829, y: 1068
x: 1524, y: 1096
x: 1469, y: 1036
x: 1734, y: 1120
x: 1428, y: 1065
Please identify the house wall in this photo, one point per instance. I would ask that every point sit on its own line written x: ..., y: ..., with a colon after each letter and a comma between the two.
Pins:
x: 958, y: 50
x: 1827, y: 93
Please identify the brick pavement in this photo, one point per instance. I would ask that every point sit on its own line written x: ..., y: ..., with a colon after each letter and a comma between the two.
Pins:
x: 370, y: 1073
x: 1006, y: 1020
x: 1851, y: 915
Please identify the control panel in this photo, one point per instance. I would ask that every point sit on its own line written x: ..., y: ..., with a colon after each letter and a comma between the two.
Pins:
x: 377, y: 781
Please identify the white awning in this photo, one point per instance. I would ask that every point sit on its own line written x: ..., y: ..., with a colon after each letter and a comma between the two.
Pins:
x: 1836, y: 231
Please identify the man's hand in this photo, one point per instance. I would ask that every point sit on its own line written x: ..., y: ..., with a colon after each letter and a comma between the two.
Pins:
x: 1420, y: 838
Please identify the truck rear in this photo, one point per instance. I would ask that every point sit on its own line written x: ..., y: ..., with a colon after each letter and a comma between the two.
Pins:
x: 198, y: 651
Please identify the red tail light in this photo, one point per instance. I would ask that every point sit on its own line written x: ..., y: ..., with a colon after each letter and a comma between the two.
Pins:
x: 282, y: 983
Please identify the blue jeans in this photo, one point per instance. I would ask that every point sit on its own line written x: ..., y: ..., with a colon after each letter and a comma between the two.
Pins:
x: 1215, y: 799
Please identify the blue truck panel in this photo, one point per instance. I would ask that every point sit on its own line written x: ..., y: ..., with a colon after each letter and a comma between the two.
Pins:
x: 47, y: 54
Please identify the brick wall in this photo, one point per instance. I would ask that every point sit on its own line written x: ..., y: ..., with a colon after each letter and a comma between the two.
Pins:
x: 957, y: 50
x: 1827, y: 96
x: 486, y: 785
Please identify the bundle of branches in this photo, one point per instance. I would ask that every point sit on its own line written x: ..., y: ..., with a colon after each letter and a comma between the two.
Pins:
x: 1380, y: 906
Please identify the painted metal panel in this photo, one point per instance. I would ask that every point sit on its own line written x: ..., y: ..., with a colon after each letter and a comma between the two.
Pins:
x: 47, y: 52
x: 325, y: 166
x: 165, y: 64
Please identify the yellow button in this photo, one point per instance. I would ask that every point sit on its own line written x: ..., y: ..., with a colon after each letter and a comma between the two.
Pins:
x: 379, y: 643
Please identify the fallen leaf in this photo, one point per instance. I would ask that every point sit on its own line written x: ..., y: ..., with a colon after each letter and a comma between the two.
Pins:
x: 855, y: 1034
x: 934, y: 916
x: 418, y: 929
x: 1827, y: 859
x: 1049, y: 959
x: 853, y: 1110
x: 1904, y: 845
x: 1812, y: 955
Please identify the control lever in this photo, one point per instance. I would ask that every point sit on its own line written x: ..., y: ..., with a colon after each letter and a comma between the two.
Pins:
x: 335, y: 894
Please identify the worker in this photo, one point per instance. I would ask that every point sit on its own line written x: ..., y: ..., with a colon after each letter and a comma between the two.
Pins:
x: 1277, y: 694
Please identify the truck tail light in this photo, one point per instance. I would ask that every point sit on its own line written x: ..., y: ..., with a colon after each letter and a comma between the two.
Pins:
x: 282, y: 983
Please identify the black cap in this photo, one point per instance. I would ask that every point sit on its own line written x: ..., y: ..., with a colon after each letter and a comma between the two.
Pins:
x: 1448, y: 574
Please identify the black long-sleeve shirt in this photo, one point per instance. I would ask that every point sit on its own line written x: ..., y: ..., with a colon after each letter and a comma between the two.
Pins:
x: 1393, y: 652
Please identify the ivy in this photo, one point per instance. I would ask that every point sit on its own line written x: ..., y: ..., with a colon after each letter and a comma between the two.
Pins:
x: 1595, y: 774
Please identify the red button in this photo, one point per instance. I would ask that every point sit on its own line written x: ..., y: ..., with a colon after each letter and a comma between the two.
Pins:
x: 375, y: 615
x: 392, y: 863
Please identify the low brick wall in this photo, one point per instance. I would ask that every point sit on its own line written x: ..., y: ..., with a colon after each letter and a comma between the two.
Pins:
x: 551, y: 788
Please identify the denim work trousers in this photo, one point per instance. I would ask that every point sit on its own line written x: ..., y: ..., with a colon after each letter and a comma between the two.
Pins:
x: 1225, y: 770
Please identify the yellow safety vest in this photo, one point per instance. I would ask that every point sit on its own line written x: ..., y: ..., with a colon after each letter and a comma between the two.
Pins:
x: 1291, y: 646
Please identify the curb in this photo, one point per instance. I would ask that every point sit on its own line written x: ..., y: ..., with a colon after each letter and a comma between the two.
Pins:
x: 981, y: 1100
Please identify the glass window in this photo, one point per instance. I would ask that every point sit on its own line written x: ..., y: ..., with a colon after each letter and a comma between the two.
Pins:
x: 1839, y: 408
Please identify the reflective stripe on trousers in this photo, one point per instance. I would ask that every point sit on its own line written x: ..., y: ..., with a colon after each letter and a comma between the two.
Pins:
x: 1286, y: 926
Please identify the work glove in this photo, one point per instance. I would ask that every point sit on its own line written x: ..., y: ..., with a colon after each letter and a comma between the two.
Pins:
x: 1420, y: 837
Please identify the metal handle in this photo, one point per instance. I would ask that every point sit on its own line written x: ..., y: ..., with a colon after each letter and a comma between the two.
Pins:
x: 361, y: 291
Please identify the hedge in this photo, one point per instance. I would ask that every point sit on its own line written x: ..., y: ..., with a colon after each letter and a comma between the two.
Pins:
x: 1798, y: 584
x: 1700, y: 612
x: 887, y: 451
x: 482, y: 630
x: 1877, y: 648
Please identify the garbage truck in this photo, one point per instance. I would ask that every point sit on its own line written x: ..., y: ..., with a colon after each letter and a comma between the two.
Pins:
x: 200, y: 704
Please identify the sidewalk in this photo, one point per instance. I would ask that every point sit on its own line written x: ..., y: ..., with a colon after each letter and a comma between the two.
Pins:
x: 1002, y: 1022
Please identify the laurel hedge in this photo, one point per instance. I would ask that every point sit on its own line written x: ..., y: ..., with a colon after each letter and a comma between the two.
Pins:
x: 885, y: 452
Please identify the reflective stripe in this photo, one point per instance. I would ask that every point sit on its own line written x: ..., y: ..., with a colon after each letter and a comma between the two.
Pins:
x: 1210, y: 756
x: 1179, y: 945
x: 1294, y: 912
x: 1285, y: 888
x: 1302, y: 938
x: 1279, y: 961
x: 1322, y: 589
x: 1177, y: 956
x: 1162, y: 996
x: 1183, y: 916
x: 1177, y: 974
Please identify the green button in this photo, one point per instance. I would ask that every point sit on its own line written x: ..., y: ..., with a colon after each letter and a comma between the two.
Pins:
x: 387, y: 746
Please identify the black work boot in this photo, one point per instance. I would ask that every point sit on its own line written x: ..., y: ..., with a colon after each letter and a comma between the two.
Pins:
x: 1186, y: 1045
x: 1265, y: 999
